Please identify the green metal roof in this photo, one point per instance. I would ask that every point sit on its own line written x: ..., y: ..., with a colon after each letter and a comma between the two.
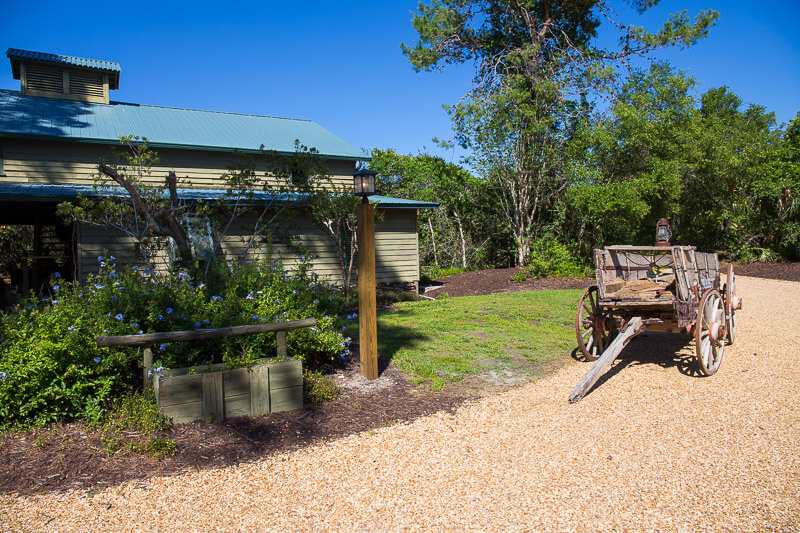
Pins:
x: 16, y: 55
x: 169, y: 127
x: 43, y: 192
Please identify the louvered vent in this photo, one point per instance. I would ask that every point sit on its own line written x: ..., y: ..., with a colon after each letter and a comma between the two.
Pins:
x: 88, y: 85
x: 44, y: 79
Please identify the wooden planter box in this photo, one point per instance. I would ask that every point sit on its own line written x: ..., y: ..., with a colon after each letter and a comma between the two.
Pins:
x: 214, y: 393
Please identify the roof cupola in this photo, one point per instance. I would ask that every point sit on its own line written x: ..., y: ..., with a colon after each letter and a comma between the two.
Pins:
x: 66, y: 77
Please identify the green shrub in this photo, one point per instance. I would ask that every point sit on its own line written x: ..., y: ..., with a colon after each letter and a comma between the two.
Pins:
x: 519, y: 277
x: 549, y: 257
x: 132, y: 424
x: 51, y: 368
x: 318, y: 387
x: 429, y: 273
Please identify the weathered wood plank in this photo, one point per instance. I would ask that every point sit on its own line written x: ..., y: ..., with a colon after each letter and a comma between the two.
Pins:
x: 286, y: 399
x: 237, y: 406
x: 179, y: 390
x: 236, y: 382
x: 285, y: 375
x: 202, y: 334
x: 185, y: 412
x: 213, y: 400
x: 259, y: 390
x: 631, y: 329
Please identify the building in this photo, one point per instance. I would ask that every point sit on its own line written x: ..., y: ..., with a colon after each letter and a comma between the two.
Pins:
x: 62, y: 122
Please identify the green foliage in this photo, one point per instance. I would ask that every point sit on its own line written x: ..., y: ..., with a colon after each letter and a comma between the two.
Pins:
x: 336, y: 213
x: 132, y: 424
x: 51, y: 368
x: 318, y: 387
x: 431, y: 272
x: 536, y: 65
x: 443, y: 341
x: 549, y: 257
x: 520, y: 276
x: 458, y: 232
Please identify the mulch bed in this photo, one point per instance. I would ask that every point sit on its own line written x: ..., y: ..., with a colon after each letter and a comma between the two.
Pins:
x: 72, y: 456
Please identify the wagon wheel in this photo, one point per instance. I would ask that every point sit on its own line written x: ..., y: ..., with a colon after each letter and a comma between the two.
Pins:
x: 732, y: 303
x: 592, y: 325
x: 709, y: 334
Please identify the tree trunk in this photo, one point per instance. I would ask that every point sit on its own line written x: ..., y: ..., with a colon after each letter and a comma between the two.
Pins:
x: 433, y: 242
x: 463, y: 241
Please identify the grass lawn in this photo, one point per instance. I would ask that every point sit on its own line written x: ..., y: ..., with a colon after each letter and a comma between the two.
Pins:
x: 445, y: 340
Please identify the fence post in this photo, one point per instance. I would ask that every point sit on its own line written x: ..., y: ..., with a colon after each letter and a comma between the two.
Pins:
x: 148, y: 367
x: 281, y: 344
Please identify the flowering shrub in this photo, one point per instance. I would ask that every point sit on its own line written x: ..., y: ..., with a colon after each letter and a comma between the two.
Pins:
x: 51, y: 367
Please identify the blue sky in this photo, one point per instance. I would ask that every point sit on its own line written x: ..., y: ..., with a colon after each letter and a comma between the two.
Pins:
x: 339, y: 63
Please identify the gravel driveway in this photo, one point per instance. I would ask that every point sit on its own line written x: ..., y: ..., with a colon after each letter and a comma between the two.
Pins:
x: 652, y: 448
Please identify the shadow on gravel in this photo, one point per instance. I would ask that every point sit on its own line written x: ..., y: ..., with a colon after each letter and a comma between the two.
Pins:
x: 667, y: 350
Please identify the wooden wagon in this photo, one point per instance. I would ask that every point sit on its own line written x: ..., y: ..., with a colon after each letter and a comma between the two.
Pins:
x: 661, y: 288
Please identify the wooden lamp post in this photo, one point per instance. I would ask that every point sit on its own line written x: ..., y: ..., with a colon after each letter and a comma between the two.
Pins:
x: 364, y: 185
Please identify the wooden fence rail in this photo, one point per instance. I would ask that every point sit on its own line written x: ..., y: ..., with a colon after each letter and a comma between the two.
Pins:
x: 148, y: 339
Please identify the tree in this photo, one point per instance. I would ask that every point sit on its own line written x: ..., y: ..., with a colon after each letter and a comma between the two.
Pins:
x: 731, y: 196
x: 626, y: 169
x: 153, y: 215
x: 148, y: 214
x: 536, y: 61
x: 453, y: 234
x: 335, y: 211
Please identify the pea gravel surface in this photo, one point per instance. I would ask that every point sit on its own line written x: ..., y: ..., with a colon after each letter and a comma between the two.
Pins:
x: 653, y: 447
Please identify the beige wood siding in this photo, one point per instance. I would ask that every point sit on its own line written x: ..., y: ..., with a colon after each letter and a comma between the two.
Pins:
x: 76, y: 163
x: 396, y: 255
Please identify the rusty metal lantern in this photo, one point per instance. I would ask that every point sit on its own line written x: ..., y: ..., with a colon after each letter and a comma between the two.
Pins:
x: 663, y: 233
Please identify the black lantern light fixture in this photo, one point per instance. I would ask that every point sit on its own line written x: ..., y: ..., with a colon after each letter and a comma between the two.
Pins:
x: 364, y: 183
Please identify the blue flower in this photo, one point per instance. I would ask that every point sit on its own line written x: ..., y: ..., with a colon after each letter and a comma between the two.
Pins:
x: 313, y: 330
x: 160, y: 317
x: 118, y: 317
x: 170, y: 310
x: 54, y: 302
x: 249, y: 296
x: 114, y: 298
x: 112, y: 258
x: 198, y: 324
x: 201, y: 286
x: 302, y: 257
x: 56, y: 274
x: 163, y: 347
x: 255, y: 317
x: 98, y: 359
x: 216, y: 298
x: 56, y: 287
x: 71, y: 328
x: 159, y: 369
x: 3, y: 376
x: 98, y: 287
x: 330, y: 298
x: 135, y: 324
x: 99, y: 258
